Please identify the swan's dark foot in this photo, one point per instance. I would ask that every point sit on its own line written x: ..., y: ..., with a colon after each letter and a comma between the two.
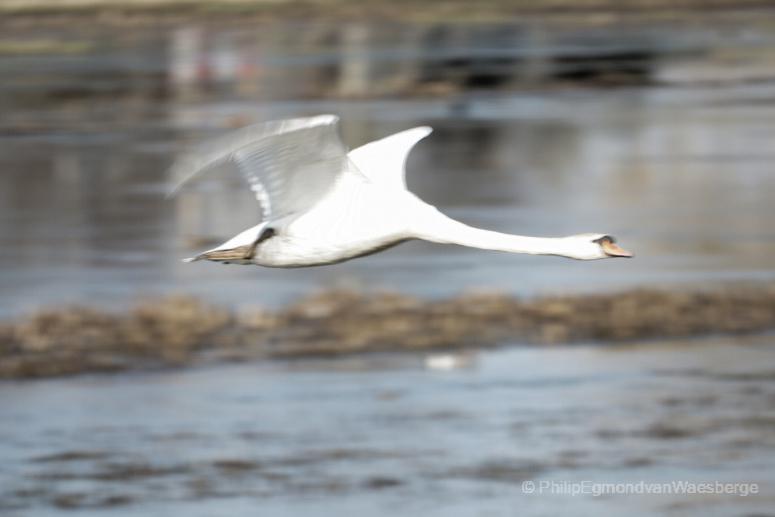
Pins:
x: 240, y: 254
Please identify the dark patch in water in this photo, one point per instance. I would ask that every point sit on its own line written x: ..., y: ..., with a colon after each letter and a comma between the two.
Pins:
x: 236, y: 466
x: 637, y: 462
x: 115, y: 472
x: 78, y: 500
x: 746, y: 376
x: 67, y: 456
x: 498, y: 470
x: 382, y: 482
x: 704, y: 400
x: 664, y: 431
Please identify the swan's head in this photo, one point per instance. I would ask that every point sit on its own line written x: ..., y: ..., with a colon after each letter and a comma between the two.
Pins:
x: 592, y: 246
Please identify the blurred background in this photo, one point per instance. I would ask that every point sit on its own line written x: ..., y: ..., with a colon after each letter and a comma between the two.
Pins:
x: 651, y: 121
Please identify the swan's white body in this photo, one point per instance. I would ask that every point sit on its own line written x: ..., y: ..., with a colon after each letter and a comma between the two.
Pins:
x: 322, y: 205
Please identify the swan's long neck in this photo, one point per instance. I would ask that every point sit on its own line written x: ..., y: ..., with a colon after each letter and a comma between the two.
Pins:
x: 440, y: 228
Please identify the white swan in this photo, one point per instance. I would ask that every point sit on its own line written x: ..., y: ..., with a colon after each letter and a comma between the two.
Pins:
x: 321, y: 204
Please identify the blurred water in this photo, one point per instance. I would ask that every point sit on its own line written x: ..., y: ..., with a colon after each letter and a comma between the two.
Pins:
x: 381, y: 435
x: 660, y: 136
x: 539, y: 132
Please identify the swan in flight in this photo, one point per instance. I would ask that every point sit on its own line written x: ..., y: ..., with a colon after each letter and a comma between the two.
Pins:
x: 321, y: 204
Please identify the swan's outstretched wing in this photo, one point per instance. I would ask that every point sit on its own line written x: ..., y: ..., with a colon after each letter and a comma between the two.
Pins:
x: 289, y: 164
x: 384, y: 161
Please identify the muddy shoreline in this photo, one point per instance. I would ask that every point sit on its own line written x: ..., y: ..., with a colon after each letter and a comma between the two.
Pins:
x: 181, y: 330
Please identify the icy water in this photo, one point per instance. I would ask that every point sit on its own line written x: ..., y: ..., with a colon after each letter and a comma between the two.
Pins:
x: 536, y: 132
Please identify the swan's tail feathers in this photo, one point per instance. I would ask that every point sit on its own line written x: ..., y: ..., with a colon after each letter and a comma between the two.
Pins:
x: 384, y: 161
x: 191, y: 259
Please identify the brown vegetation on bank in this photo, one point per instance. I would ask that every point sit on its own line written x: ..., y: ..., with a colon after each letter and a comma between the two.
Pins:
x: 153, y: 12
x: 177, y: 330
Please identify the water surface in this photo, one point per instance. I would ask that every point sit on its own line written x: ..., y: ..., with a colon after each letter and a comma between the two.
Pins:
x: 379, y: 435
x: 538, y: 131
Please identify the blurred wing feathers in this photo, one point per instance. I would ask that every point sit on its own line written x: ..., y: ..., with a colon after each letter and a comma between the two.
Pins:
x: 288, y: 164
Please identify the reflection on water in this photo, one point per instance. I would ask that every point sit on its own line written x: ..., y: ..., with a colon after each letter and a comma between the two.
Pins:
x: 530, y: 137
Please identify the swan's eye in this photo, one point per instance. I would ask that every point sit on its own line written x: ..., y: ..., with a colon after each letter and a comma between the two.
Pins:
x: 605, y: 239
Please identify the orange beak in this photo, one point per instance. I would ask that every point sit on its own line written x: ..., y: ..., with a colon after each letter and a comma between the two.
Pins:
x: 613, y: 250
